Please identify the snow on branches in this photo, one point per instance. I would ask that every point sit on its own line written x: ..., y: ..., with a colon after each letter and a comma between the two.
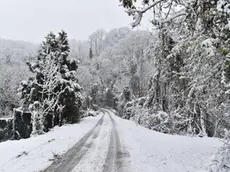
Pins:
x: 200, y: 15
x: 53, y: 94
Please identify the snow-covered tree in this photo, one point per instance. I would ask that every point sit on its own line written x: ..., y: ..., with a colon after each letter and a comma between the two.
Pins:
x: 96, y: 41
x: 53, y: 93
x: 12, y: 70
x: 90, y: 53
x: 10, y: 75
x: 193, y: 35
x: 125, y: 97
x: 191, y: 77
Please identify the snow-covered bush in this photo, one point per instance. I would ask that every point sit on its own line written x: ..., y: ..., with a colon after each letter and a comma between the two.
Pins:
x: 137, y: 112
x: 160, y: 122
x: 221, y: 161
x: 89, y: 113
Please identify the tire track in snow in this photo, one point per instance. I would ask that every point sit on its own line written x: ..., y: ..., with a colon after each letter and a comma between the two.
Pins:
x: 73, y: 156
x: 115, y: 157
x: 94, y: 160
x: 110, y: 159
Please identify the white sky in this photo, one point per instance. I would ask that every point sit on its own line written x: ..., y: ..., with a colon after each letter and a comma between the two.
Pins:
x: 31, y: 20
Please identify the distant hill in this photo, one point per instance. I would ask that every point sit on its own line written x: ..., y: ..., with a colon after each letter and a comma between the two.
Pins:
x: 17, y: 51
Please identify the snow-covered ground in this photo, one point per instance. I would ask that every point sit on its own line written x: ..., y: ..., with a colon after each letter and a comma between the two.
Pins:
x: 36, y: 153
x: 143, y: 150
x: 151, y: 151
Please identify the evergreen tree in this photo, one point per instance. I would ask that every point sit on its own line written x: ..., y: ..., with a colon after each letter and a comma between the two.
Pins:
x: 53, y: 94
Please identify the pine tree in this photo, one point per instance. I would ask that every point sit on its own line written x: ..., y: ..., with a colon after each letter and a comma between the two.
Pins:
x: 71, y: 98
x: 53, y: 94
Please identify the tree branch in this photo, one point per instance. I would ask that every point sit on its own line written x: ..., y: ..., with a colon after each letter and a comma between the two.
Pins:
x: 139, y: 13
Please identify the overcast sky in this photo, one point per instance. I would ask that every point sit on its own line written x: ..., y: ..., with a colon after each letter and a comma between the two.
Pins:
x: 31, y: 20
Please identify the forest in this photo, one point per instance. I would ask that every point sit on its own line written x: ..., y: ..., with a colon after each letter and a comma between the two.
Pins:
x: 174, y: 79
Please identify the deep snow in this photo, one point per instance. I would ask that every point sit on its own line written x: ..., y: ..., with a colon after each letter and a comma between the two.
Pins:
x: 148, y: 151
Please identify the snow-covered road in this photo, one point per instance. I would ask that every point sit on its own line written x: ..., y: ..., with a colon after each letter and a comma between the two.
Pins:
x: 107, y: 143
x: 99, y: 150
